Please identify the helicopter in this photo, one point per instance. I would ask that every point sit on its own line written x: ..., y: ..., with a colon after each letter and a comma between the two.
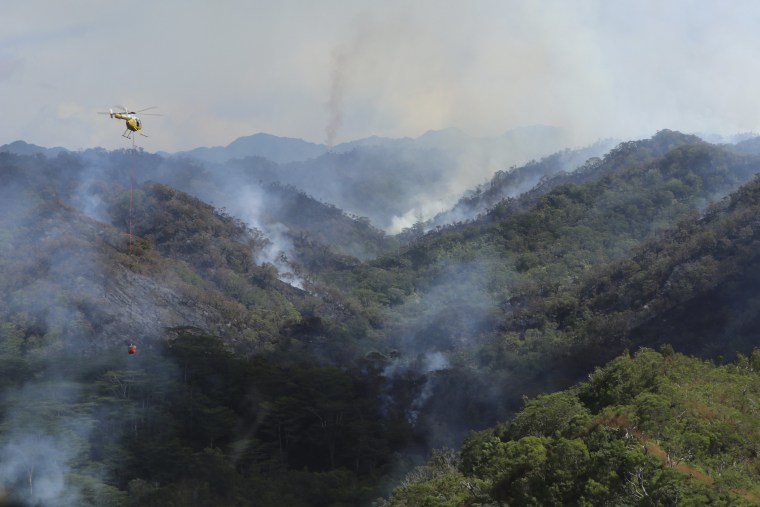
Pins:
x: 134, y: 125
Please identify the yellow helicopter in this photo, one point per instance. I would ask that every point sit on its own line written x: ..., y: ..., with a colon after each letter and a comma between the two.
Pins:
x: 134, y: 125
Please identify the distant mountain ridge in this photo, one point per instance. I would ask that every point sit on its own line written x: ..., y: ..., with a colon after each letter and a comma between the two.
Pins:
x: 24, y: 148
x: 284, y: 150
x: 277, y: 149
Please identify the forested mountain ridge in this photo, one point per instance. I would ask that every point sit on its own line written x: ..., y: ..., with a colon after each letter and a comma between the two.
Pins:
x: 525, y: 184
x: 67, y: 276
x: 509, y: 298
x: 518, y: 180
x: 280, y: 211
x: 500, y: 200
x: 534, y: 245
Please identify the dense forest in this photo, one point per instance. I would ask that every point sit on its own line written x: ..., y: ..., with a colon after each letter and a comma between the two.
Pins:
x: 646, y: 429
x: 578, y: 330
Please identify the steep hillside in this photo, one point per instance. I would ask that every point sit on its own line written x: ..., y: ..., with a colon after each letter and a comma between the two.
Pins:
x: 236, y: 370
x: 628, y: 157
x: 533, y: 246
x: 518, y: 295
x: 694, y: 286
x: 284, y: 214
x: 67, y: 277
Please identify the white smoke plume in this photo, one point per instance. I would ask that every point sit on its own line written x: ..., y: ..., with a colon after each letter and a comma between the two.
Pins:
x: 41, y: 439
x: 246, y: 204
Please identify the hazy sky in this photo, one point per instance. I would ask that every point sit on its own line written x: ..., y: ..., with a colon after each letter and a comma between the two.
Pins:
x: 342, y: 70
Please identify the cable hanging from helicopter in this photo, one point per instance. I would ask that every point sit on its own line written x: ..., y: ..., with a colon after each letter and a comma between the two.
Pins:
x: 134, y: 125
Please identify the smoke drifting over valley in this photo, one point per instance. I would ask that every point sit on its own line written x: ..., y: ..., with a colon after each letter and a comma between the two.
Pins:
x: 398, y: 182
x: 363, y: 232
x: 437, y: 331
